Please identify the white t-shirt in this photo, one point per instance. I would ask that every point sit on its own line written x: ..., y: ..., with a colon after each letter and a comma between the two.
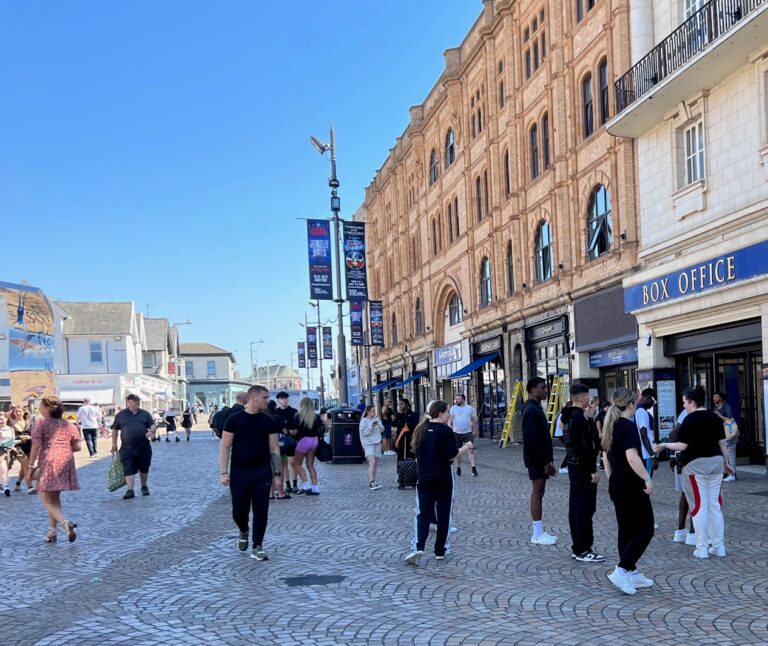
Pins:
x: 89, y: 416
x: 462, y: 418
x: 559, y: 425
x: 643, y: 420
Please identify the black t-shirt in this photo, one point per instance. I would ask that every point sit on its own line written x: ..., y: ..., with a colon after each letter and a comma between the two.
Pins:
x: 133, y: 427
x: 250, y: 444
x: 302, y: 430
x: 285, y: 418
x: 625, y: 436
x: 436, y: 451
x: 702, y: 431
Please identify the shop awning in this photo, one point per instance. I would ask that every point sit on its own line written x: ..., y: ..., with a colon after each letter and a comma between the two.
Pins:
x: 96, y: 395
x: 471, y: 367
x: 384, y: 385
x: 405, y: 382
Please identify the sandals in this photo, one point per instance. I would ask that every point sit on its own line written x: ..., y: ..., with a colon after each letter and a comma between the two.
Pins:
x: 50, y: 537
x: 69, y: 526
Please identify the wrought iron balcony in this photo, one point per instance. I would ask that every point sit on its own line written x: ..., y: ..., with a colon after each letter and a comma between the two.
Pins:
x: 709, y: 24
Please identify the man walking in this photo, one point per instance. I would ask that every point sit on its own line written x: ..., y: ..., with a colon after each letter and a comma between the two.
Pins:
x: 136, y: 428
x: 463, y: 421
x: 286, y: 420
x: 581, y: 448
x: 249, y: 462
x: 537, y: 454
x: 90, y: 418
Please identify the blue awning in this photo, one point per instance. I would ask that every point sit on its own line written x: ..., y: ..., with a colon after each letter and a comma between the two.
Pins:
x: 383, y: 385
x: 471, y: 367
x: 405, y: 382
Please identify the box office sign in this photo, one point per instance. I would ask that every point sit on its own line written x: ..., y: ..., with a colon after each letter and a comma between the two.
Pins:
x: 711, y: 274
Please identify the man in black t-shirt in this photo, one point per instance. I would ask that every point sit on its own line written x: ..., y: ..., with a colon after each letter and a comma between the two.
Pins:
x: 249, y: 463
x: 286, y: 422
x: 137, y: 428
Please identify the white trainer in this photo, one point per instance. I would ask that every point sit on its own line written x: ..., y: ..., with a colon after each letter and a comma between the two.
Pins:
x: 639, y: 580
x: 717, y: 551
x: 544, y: 539
x: 702, y: 553
x: 620, y: 578
x: 414, y: 557
x: 691, y: 539
x: 680, y: 536
x: 729, y: 479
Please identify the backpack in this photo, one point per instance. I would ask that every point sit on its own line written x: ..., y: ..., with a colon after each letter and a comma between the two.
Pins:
x: 219, y: 419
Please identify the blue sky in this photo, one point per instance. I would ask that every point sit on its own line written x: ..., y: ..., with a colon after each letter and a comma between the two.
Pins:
x: 157, y: 151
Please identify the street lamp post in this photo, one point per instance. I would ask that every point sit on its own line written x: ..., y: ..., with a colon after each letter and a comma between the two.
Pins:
x: 333, y: 182
x: 253, y: 372
x: 319, y: 338
x: 176, y: 364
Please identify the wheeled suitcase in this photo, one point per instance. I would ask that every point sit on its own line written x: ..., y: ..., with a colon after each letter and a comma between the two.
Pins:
x: 407, y: 473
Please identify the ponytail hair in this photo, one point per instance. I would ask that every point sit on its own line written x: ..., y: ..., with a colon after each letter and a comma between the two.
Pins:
x: 435, y: 408
x: 622, y: 397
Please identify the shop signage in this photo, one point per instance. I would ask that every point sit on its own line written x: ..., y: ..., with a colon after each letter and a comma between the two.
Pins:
x: 302, y: 355
x: 356, y: 323
x: 486, y: 347
x: 717, y: 272
x: 354, y: 261
x: 319, y: 249
x: 613, y: 356
x: 327, y: 343
x: 448, y: 354
x: 421, y: 366
x: 396, y: 373
x: 554, y: 327
x: 376, y: 318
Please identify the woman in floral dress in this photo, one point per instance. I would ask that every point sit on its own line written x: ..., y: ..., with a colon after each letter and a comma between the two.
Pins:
x: 54, y: 442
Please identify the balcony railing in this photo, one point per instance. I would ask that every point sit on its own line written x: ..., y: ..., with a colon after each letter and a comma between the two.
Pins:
x: 709, y: 23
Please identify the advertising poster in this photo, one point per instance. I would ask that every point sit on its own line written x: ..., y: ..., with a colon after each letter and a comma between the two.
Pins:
x: 356, y: 323
x: 376, y: 313
x: 312, y: 346
x: 327, y: 343
x: 665, y: 391
x: 302, y: 355
x: 319, y: 249
x: 354, y: 261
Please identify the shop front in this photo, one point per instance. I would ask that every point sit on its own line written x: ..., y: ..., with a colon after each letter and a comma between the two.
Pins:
x: 448, y: 360
x: 417, y: 387
x: 546, y: 345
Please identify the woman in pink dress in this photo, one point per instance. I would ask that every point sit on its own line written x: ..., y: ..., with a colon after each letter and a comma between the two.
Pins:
x: 54, y: 442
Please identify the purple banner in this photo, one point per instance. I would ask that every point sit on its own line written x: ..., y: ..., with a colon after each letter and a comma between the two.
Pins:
x: 354, y: 261
x: 302, y: 355
x: 319, y: 247
x: 356, y: 323
x: 327, y: 343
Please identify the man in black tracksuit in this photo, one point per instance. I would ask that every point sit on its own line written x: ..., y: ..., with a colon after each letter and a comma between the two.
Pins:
x: 582, y: 445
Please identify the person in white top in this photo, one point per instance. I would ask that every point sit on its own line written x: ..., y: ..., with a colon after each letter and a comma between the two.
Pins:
x: 645, y: 402
x: 370, y: 437
x: 90, y: 419
x: 463, y: 421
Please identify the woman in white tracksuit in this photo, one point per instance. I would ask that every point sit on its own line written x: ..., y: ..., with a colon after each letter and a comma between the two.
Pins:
x: 370, y: 437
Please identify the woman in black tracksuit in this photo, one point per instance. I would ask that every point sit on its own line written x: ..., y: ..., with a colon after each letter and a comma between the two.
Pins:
x: 434, y: 445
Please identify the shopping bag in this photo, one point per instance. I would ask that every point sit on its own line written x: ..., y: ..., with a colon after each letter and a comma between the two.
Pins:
x: 115, y: 475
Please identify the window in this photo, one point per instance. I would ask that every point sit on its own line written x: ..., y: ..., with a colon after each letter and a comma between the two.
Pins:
x: 455, y: 310
x: 534, y: 146
x: 544, y: 260
x: 96, y: 353
x: 434, y: 167
x: 545, y: 139
x: 586, y: 99
x: 528, y: 69
x: 436, y: 241
x: 600, y: 224
x: 536, y: 54
x: 450, y: 148
x: 479, y: 198
x: 694, y: 153
x: 502, y: 99
x: 393, y: 330
x: 535, y: 43
x: 211, y: 369
x: 189, y: 369
x: 507, y: 176
x: 486, y: 193
x: 456, y: 216
x: 582, y: 7
x: 419, y: 321
x: 486, y: 289
x: 602, y: 74
x: 451, y: 237
x: 510, y: 269
x: 147, y: 359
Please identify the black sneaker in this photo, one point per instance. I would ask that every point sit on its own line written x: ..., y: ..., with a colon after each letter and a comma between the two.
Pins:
x: 458, y: 471
x: 242, y: 541
x: 129, y: 494
x: 167, y: 439
x: 474, y: 472
x: 145, y: 490
x: 589, y: 556
x: 178, y: 440
x: 310, y: 492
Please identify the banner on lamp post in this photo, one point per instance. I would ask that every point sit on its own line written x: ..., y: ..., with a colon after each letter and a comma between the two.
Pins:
x: 302, y: 355
x: 356, y: 323
x: 312, y: 346
x: 376, y: 317
x: 327, y: 343
x: 319, y: 249
x: 354, y: 261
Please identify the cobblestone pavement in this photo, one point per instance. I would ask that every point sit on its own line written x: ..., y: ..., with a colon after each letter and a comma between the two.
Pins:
x: 165, y: 570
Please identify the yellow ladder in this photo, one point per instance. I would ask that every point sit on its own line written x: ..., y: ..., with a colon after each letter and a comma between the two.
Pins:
x: 554, y: 403
x: 517, y: 396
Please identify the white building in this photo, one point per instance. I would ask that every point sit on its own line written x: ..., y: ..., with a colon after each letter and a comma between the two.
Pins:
x: 210, y: 374
x: 696, y: 103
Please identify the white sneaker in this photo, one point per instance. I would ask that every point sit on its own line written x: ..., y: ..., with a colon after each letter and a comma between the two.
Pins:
x: 414, y: 557
x: 639, y: 580
x: 680, y: 536
x: 544, y: 539
x: 563, y: 470
x: 729, y: 479
x: 373, y: 486
x: 717, y: 551
x: 702, y: 553
x: 620, y: 578
x: 691, y: 539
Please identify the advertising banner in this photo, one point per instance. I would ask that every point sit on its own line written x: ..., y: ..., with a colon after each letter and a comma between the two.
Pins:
x: 312, y: 346
x: 356, y: 323
x: 319, y: 249
x: 376, y: 313
x: 327, y: 343
x: 302, y: 355
x: 354, y: 261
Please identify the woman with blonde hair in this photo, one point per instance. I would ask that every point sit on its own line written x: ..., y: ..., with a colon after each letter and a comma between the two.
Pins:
x: 630, y: 486
x: 54, y: 442
x: 21, y: 429
x: 308, y: 429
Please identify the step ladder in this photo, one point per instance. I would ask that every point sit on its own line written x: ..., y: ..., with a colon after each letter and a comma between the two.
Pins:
x: 512, y: 409
x: 554, y: 404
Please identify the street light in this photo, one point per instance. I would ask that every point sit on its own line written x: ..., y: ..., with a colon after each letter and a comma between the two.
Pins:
x: 334, y: 184
x: 253, y: 372
x: 319, y: 338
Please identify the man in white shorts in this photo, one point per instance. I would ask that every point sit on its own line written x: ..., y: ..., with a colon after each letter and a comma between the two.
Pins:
x: 463, y: 421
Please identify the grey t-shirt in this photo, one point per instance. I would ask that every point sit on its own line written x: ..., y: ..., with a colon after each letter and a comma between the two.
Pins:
x: 133, y: 427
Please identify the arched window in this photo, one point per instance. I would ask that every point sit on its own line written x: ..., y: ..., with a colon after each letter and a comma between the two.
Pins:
x: 544, y: 260
x: 534, y: 151
x: 510, y: 269
x: 486, y: 288
x: 419, y: 319
x: 450, y: 148
x: 507, y: 176
x: 455, y: 310
x: 600, y: 223
x: 545, y: 140
x: 393, y: 330
x: 586, y: 99
x: 434, y: 167
x: 479, y: 198
x: 602, y: 76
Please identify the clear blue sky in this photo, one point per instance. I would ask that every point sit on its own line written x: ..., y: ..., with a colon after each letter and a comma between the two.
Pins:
x: 158, y: 151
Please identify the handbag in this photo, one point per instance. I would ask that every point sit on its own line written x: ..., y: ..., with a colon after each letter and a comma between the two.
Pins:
x: 324, y: 452
x: 115, y: 474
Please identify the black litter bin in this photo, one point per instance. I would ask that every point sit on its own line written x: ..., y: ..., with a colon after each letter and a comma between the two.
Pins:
x: 344, y: 429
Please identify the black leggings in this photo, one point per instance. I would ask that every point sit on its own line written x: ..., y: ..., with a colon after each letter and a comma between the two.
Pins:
x: 250, y: 490
x: 634, y: 515
x: 435, y: 497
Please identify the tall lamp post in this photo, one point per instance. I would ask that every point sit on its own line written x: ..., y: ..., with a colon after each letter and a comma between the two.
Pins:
x: 176, y: 363
x: 319, y: 338
x: 253, y: 372
x: 341, y: 342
